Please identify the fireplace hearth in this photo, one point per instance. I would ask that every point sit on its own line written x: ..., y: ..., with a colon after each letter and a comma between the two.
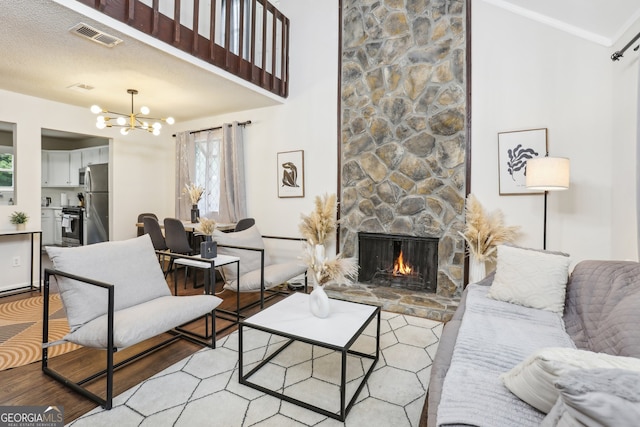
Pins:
x: 398, y: 261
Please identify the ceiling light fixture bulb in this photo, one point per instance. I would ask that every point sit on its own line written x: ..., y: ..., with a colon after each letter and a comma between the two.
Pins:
x: 130, y: 121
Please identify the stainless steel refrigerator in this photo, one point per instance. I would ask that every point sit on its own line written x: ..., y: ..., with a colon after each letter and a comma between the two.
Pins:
x: 96, y: 199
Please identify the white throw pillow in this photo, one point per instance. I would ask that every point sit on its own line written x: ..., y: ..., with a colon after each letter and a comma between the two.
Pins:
x: 533, y: 379
x: 530, y: 278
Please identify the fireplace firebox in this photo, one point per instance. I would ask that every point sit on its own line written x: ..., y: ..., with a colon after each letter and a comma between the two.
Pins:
x: 398, y: 261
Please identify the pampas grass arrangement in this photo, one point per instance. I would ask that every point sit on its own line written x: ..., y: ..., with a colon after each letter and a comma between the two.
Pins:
x: 206, y: 226
x: 484, y: 232
x: 195, y: 192
x: 318, y: 228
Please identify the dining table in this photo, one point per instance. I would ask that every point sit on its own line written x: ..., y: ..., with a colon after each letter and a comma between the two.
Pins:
x: 191, y: 227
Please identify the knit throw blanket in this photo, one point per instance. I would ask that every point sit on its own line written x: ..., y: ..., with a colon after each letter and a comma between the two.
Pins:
x: 494, y: 336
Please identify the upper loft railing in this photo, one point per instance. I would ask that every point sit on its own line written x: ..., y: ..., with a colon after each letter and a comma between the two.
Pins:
x: 248, y: 38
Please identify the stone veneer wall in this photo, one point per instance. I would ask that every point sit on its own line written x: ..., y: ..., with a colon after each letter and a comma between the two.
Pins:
x: 404, y: 127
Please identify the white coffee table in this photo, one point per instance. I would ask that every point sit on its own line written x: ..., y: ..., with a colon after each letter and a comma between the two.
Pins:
x: 291, y: 319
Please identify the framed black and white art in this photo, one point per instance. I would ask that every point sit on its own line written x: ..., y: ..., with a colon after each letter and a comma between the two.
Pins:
x: 514, y: 149
x: 291, y: 174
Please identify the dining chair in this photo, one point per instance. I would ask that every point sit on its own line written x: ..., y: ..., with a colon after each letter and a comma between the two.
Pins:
x: 152, y: 228
x: 141, y: 217
x: 178, y: 242
x: 244, y: 224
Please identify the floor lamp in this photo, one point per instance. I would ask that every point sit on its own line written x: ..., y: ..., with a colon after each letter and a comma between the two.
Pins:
x: 547, y: 174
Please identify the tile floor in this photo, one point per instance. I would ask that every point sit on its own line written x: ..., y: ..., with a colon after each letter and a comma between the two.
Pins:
x: 203, y: 389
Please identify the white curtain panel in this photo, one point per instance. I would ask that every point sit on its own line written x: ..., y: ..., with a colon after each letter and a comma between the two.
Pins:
x: 233, y: 200
x: 185, y: 171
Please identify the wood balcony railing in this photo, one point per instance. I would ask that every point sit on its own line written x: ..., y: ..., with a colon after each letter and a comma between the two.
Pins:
x: 248, y: 38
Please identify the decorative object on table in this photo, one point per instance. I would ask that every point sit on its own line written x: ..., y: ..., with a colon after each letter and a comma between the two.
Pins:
x: 318, y: 229
x: 483, y: 233
x: 208, y: 248
x: 547, y: 174
x: 19, y: 219
x: 130, y: 121
x: 195, y: 194
x: 291, y: 174
x: 514, y: 149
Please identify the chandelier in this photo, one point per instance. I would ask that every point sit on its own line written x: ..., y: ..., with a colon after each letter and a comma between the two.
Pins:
x: 129, y: 121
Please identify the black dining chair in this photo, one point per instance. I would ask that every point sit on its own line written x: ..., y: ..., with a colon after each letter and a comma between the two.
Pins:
x: 152, y: 228
x: 141, y: 217
x: 178, y: 242
x: 245, y: 223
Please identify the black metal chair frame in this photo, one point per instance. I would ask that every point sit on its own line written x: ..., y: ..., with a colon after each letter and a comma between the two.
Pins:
x: 209, y: 287
x: 77, y: 386
x: 272, y: 292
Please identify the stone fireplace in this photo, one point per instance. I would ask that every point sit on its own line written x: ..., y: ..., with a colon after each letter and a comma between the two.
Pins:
x: 404, y: 133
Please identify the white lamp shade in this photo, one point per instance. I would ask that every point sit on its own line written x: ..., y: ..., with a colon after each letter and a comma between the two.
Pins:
x: 547, y: 173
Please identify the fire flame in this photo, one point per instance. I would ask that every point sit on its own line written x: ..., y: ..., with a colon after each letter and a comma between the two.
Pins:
x: 399, y: 267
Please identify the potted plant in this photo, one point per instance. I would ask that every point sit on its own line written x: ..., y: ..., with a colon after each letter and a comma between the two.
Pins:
x: 19, y: 219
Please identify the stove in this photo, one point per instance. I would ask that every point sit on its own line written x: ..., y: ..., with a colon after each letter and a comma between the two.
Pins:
x: 72, y: 226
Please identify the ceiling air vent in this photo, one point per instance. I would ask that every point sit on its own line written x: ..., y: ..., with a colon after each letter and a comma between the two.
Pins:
x: 84, y: 30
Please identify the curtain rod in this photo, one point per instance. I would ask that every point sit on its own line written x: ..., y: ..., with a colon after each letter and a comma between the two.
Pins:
x: 248, y: 122
x: 617, y: 55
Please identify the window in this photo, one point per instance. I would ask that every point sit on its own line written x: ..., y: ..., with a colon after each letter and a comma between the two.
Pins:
x: 207, y: 171
x: 6, y: 170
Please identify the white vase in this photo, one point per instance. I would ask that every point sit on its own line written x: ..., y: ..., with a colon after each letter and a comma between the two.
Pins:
x: 319, y: 302
x: 477, y: 270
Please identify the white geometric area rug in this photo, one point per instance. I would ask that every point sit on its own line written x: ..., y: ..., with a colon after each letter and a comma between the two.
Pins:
x: 203, y: 389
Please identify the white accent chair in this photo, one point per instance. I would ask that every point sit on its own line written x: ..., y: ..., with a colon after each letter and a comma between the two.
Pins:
x: 257, y: 272
x: 115, y: 295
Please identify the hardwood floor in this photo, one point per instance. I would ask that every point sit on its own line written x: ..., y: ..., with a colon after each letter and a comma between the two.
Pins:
x: 27, y: 385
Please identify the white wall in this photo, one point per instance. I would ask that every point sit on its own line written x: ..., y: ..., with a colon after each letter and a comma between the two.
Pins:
x: 139, y: 180
x: 626, y: 114
x: 306, y: 121
x: 528, y: 75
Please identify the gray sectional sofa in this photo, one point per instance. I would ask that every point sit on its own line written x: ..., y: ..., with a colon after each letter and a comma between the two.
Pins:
x: 601, y: 317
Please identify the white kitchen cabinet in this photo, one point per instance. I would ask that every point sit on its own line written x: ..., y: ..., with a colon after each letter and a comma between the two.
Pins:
x: 45, y: 168
x: 95, y: 155
x: 62, y: 168
x: 103, y: 154
x: 47, y: 224
x: 57, y: 230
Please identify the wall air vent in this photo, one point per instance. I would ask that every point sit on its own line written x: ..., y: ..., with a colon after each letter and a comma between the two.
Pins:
x: 88, y: 32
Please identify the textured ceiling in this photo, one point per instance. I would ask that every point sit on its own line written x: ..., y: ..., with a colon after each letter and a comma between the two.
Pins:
x: 42, y: 58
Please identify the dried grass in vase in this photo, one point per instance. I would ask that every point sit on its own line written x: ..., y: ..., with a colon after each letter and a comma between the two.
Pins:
x: 484, y: 232
x: 206, y: 226
x: 318, y: 228
x: 195, y: 192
